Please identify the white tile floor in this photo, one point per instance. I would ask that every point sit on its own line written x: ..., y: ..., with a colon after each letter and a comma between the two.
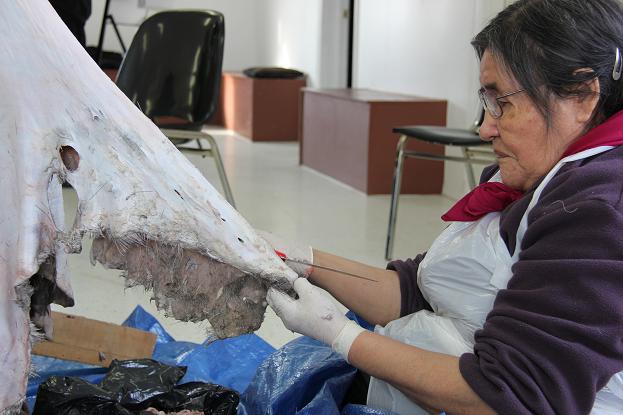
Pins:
x: 273, y: 193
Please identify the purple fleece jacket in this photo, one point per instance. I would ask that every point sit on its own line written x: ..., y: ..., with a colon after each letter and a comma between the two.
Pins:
x: 554, y: 337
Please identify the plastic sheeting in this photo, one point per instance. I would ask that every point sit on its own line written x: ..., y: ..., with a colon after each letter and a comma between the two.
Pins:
x: 44, y: 367
x: 142, y: 320
x: 303, y: 377
x: 131, y: 386
x: 230, y: 362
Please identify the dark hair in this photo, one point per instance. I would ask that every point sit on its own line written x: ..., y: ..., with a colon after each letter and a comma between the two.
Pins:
x: 544, y: 44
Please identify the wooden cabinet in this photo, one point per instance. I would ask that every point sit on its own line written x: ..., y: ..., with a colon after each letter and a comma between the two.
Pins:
x: 347, y: 134
x: 261, y: 109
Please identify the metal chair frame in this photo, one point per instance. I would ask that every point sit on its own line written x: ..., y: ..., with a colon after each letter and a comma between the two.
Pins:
x: 186, y: 135
x: 471, y: 155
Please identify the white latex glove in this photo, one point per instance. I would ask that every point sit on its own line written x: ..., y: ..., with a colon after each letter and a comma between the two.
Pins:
x: 298, y: 252
x: 315, y: 315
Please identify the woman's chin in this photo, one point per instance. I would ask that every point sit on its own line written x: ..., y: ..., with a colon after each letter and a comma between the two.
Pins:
x: 514, y: 182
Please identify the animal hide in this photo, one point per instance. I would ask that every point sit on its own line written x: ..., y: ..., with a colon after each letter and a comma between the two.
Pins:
x: 150, y: 212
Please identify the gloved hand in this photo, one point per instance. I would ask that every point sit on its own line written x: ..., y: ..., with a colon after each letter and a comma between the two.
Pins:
x: 298, y: 252
x: 314, y: 315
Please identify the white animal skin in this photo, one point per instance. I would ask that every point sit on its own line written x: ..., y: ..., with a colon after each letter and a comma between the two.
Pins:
x: 134, y: 187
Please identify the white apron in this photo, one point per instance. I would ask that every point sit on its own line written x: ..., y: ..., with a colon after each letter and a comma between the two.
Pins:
x: 459, y: 277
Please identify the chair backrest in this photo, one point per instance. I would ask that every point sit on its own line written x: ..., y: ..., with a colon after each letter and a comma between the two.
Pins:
x: 173, y: 66
x: 475, y: 127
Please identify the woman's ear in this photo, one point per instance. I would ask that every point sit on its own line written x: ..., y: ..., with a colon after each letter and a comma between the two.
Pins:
x: 586, y: 103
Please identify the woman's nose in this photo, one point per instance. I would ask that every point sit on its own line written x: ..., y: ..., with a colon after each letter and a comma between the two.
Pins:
x: 488, y: 128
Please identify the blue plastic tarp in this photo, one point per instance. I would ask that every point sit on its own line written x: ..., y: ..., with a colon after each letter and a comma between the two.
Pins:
x: 142, y: 320
x: 229, y: 362
x: 303, y: 377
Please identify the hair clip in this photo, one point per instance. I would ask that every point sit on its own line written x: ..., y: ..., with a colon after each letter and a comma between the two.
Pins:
x: 618, y: 66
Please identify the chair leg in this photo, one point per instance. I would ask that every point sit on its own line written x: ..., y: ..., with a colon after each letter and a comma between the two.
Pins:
x: 469, y: 169
x: 393, y: 210
x: 220, y: 168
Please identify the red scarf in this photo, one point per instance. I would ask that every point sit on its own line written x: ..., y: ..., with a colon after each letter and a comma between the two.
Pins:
x: 495, y: 196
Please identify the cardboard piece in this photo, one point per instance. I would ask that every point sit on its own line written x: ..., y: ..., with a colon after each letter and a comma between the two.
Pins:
x: 94, y: 342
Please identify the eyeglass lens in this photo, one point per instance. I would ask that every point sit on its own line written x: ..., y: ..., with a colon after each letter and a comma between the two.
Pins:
x: 489, y: 100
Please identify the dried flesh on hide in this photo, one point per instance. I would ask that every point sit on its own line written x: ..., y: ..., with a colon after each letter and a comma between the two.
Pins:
x: 188, y: 285
x: 152, y: 213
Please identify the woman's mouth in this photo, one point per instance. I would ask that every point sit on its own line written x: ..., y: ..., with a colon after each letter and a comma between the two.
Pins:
x: 500, y: 154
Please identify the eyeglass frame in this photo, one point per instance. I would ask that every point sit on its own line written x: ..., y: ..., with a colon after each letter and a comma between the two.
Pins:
x: 484, y: 100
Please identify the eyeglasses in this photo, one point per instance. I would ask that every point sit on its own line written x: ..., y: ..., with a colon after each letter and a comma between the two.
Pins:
x: 490, y: 101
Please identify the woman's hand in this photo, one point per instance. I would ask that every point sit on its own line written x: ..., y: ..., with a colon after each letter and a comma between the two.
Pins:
x: 377, y: 301
x: 301, y: 254
x: 315, y: 315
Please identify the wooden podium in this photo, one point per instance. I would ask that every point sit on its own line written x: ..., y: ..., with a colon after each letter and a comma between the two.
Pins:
x: 347, y: 134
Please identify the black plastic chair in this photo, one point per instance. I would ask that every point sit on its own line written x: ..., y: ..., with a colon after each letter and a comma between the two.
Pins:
x: 469, y: 142
x: 172, y: 72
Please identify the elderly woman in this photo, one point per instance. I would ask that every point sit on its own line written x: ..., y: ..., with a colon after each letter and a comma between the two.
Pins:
x: 517, y: 308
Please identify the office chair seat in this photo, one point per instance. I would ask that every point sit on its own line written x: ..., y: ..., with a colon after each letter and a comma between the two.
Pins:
x: 441, y: 135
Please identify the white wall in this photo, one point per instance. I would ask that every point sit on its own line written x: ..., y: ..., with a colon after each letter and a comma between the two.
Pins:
x: 334, y: 41
x: 289, y: 35
x: 127, y: 15
x: 422, y: 47
x: 308, y: 35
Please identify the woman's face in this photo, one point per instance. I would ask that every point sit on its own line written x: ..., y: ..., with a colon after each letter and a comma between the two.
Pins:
x: 526, y: 149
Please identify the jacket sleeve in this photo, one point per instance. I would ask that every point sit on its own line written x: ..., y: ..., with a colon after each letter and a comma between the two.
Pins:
x: 411, y: 296
x: 555, y: 336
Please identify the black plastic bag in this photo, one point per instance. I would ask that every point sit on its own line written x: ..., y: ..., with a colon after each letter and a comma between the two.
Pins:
x: 133, y: 381
x: 212, y: 399
x: 130, y: 387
